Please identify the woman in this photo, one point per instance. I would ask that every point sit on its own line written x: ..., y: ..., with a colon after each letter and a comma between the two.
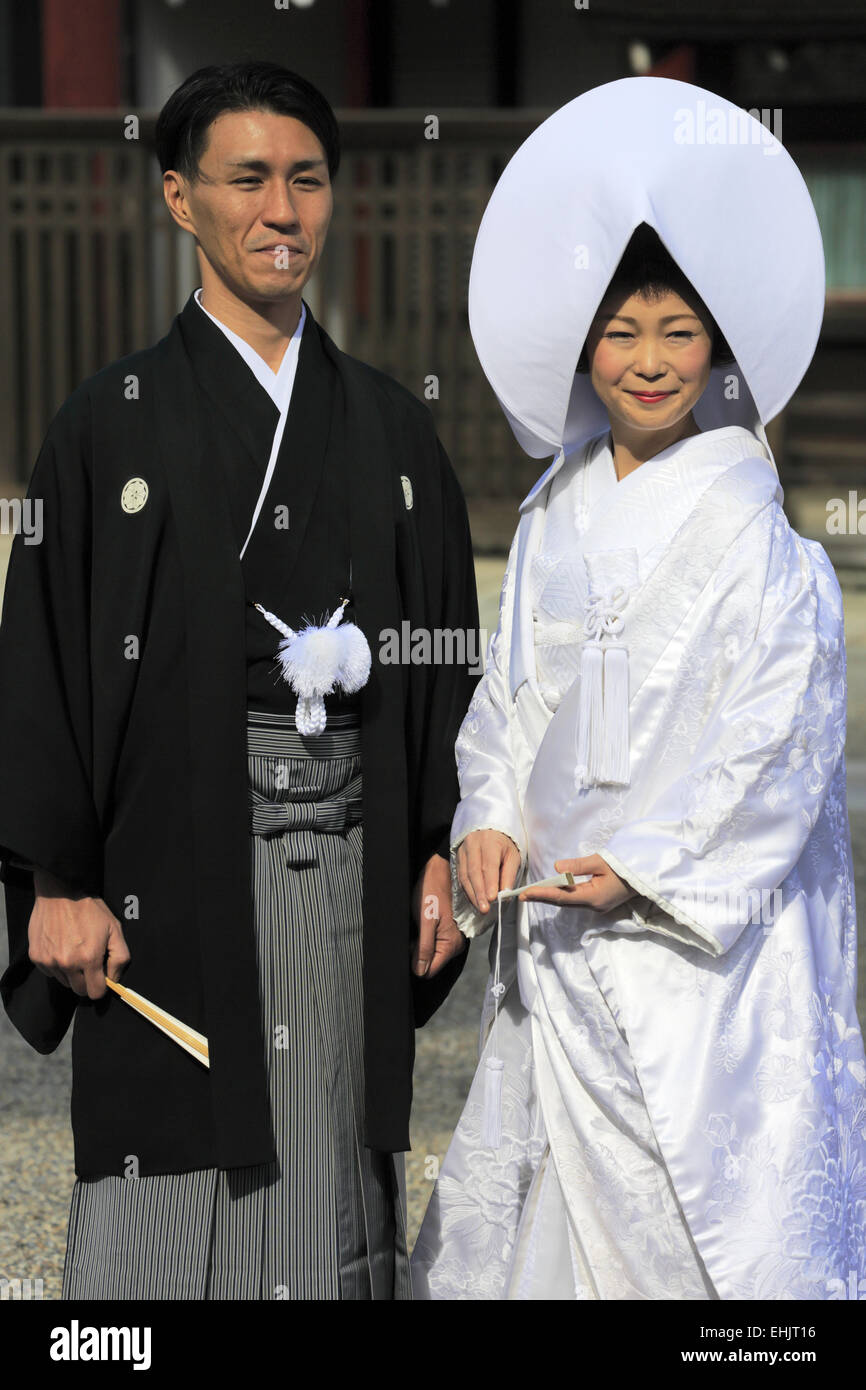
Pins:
x: 670, y: 1100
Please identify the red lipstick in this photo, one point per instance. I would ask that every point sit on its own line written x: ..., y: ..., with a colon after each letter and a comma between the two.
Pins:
x: 648, y: 397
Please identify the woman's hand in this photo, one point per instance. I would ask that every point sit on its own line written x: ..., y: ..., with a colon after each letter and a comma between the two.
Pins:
x: 487, y: 862
x: 604, y: 890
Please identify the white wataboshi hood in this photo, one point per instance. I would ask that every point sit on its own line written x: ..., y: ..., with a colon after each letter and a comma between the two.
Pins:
x: 725, y: 198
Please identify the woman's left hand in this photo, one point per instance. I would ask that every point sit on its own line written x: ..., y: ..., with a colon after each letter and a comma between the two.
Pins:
x: 602, y: 892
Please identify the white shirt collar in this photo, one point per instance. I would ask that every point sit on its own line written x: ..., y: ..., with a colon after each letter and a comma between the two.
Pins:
x: 278, y: 384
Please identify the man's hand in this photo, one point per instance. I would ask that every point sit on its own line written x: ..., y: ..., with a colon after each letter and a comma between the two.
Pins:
x: 439, y: 937
x: 604, y: 890
x: 487, y: 862
x: 74, y: 938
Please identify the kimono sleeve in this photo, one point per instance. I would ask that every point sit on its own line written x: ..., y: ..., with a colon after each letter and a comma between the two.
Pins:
x: 450, y: 687
x: 47, y: 812
x: 488, y: 787
x: 732, y: 827
x: 451, y: 681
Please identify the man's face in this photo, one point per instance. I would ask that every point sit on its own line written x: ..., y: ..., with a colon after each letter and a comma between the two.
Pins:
x: 649, y: 362
x: 261, y: 205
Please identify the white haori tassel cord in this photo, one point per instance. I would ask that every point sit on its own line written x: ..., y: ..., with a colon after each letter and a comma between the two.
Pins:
x: 602, y: 726
x: 494, y: 1067
x: 316, y: 660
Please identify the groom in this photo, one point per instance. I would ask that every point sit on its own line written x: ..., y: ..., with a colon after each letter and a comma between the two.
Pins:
x: 126, y: 673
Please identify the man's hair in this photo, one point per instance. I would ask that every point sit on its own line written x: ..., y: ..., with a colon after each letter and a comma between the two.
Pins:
x: 183, y: 123
x: 647, y: 268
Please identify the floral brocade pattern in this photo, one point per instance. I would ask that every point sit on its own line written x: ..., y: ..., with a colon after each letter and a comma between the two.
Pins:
x: 685, y: 1079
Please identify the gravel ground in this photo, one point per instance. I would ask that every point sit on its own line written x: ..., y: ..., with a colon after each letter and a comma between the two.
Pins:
x: 36, y: 1173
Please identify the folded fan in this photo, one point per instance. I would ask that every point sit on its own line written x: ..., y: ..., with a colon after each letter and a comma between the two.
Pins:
x: 566, y: 880
x: 187, y: 1038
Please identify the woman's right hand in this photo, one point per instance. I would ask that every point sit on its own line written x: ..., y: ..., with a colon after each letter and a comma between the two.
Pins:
x: 487, y: 862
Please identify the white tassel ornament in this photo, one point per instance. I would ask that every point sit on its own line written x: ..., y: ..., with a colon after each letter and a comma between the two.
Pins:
x: 615, y: 746
x: 602, y: 745
x: 317, y: 660
x: 494, y: 1067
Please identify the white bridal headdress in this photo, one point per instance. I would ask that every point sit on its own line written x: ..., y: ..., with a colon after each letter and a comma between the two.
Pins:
x: 725, y: 198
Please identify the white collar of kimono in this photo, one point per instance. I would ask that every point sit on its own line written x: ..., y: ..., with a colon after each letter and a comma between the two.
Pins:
x: 601, y: 484
x: 596, y: 462
x: 597, y: 451
x: 614, y: 522
x: 726, y: 200
x: 278, y: 385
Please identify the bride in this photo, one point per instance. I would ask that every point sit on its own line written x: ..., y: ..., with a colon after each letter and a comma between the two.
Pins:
x: 669, y: 1102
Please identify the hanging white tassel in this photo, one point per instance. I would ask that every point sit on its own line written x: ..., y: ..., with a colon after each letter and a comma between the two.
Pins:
x: 614, y: 742
x: 602, y: 740
x: 317, y: 660
x: 356, y: 659
x: 310, y: 660
x: 491, y: 1116
x: 590, y: 714
x: 494, y: 1067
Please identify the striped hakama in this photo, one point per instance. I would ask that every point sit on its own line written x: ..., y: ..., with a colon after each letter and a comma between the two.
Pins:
x: 326, y: 1220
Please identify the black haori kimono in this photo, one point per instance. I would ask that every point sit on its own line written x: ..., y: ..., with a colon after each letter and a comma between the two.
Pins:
x: 130, y: 656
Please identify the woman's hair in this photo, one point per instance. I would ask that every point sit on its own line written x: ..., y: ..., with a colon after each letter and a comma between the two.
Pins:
x: 647, y: 269
x: 183, y: 123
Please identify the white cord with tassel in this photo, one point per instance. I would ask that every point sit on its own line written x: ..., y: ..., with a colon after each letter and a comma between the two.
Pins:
x: 494, y: 1067
x: 590, y: 712
x: 602, y: 742
x: 315, y: 660
x: 615, y: 743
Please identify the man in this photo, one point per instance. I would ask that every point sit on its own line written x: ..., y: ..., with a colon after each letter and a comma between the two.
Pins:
x: 145, y: 728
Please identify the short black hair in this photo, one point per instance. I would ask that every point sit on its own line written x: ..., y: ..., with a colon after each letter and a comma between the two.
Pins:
x: 183, y: 122
x: 648, y: 269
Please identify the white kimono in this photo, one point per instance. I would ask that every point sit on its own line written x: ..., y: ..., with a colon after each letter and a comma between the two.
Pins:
x: 684, y: 1100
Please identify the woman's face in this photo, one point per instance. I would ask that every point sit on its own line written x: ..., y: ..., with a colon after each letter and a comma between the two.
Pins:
x: 649, y: 361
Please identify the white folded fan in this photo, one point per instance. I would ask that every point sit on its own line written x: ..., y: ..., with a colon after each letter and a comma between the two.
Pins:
x: 565, y: 880
x: 191, y: 1041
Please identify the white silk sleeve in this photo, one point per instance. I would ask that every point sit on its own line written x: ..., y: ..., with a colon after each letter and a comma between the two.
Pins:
x: 731, y: 828
x: 485, y: 766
